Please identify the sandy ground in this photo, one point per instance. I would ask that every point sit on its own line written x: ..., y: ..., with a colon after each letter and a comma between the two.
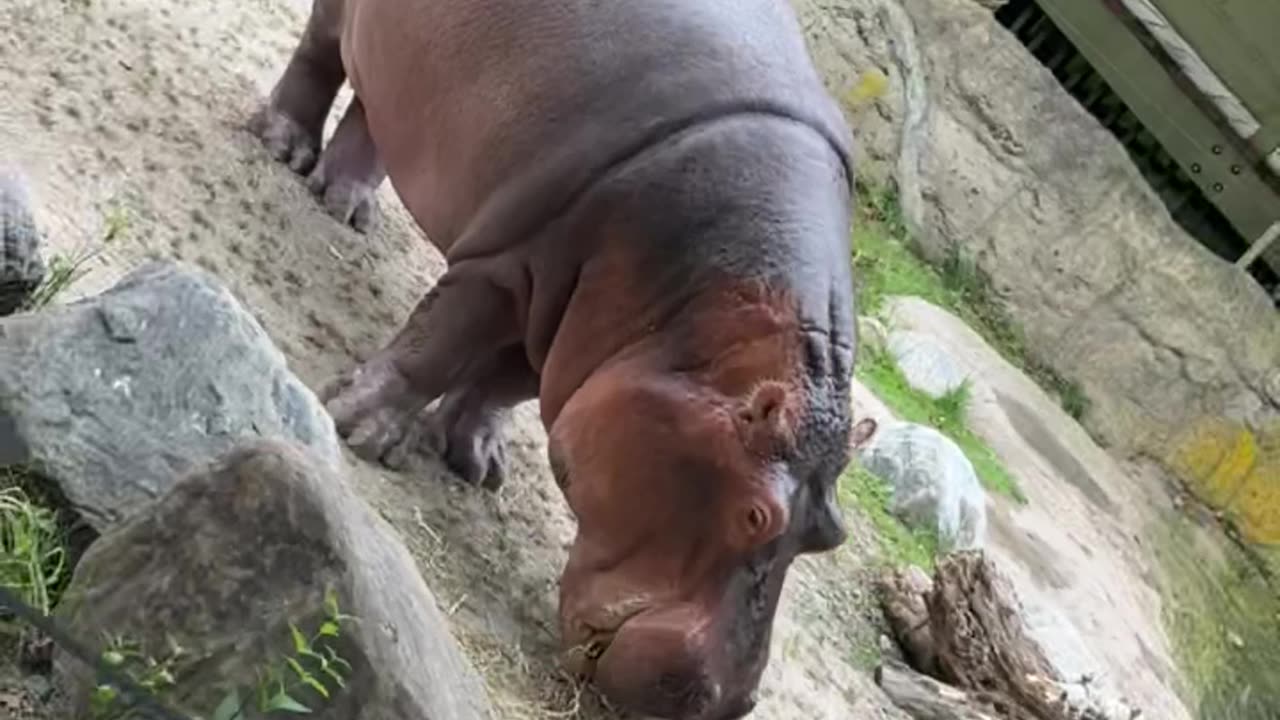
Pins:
x: 135, y: 109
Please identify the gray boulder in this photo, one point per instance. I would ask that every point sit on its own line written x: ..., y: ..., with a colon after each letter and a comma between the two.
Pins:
x: 925, y: 363
x: 232, y: 556
x: 115, y: 396
x: 21, y: 267
x: 934, y: 484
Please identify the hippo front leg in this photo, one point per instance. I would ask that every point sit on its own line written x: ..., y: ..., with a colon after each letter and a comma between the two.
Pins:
x: 467, y: 429
x: 451, y: 337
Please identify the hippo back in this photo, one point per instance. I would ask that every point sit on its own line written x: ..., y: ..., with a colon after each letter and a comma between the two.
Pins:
x: 493, y: 116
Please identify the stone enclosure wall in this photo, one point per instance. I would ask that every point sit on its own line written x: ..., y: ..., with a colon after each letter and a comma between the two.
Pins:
x: 1178, y: 352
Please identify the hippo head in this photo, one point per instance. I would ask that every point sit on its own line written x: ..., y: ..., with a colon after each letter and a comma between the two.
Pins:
x: 691, y: 505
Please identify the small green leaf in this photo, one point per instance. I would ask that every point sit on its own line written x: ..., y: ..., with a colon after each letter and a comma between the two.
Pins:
x: 282, y: 701
x: 336, y: 659
x: 229, y: 708
x: 329, y: 629
x: 321, y: 660
x: 337, y: 676
x: 317, y: 686
x: 104, y: 694
x: 299, y: 640
x: 298, y: 670
x: 331, y: 603
x: 113, y: 658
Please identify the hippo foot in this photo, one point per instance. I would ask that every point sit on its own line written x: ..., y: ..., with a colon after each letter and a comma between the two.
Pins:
x: 475, y: 451
x: 349, y: 201
x: 286, y: 140
x: 470, y: 441
x: 373, y: 407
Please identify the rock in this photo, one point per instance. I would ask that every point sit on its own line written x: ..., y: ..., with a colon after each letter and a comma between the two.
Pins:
x: 251, y: 543
x: 115, y: 396
x: 934, y: 484
x: 21, y: 267
x: 925, y: 363
x: 848, y: 42
x: 1108, y: 289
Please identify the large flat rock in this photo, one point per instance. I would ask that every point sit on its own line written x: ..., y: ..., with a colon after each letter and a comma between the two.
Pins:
x: 117, y: 395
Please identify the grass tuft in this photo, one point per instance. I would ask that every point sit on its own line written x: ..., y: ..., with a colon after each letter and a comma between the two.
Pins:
x: 33, y: 553
x: 887, y: 263
x: 65, y: 270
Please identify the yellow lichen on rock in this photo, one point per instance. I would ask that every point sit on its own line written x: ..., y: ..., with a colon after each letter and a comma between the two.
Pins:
x: 1256, y: 509
x: 1231, y: 469
x: 871, y: 85
x: 1214, y: 458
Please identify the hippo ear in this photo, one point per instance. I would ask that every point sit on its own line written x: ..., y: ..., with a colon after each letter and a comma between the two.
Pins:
x: 860, y: 434
x: 768, y: 418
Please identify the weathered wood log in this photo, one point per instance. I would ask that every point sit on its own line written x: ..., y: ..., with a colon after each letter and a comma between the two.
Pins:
x: 980, y: 638
x: 904, y: 593
x: 924, y: 698
x: 966, y: 628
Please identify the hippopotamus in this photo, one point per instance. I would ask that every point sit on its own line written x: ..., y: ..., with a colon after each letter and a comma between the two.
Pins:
x: 645, y: 208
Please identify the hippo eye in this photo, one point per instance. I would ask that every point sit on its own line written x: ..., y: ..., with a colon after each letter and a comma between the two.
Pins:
x: 595, y: 650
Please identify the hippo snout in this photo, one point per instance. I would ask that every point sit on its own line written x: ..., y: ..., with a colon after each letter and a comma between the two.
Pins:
x: 659, y: 664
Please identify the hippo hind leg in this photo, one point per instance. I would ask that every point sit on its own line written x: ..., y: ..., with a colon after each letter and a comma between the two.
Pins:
x: 291, y: 122
x: 347, y: 177
x: 467, y: 428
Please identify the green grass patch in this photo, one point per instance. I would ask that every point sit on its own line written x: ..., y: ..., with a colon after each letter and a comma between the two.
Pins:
x: 1224, y: 623
x: 33, y: 552
x: 861, y: 489
x: 887, y: 264
x: 34, y: 558
x: 877, y: 368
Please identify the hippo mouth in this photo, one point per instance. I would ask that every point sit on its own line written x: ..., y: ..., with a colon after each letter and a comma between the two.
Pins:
x: 594, y: 639
x: 655, y: 660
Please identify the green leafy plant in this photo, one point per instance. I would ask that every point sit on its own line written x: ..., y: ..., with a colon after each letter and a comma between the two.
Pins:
x: 312, y: 670
x: 154, y: 676
x: 312, y: 665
